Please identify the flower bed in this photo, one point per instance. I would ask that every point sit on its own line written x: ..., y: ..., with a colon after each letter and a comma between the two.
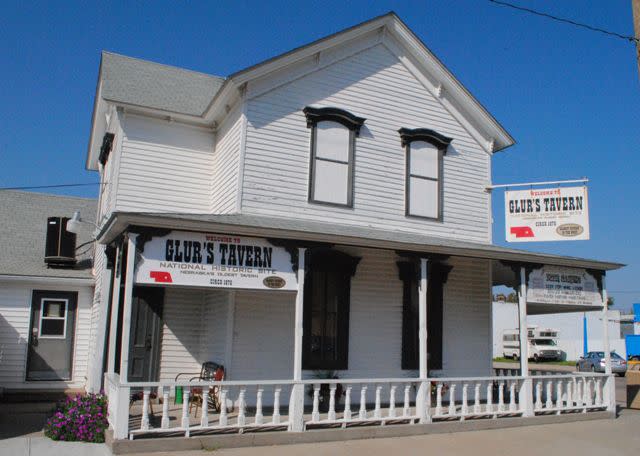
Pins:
x: 79, y: 419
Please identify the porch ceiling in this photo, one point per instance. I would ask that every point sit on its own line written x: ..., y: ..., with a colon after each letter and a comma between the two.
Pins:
x: 305, y: 230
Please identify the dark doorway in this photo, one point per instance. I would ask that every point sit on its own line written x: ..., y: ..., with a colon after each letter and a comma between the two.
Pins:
x: 51, y: 335
x: 144, y: 341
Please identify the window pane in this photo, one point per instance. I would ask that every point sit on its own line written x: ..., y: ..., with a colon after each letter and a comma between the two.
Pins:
x: 424, y: 159
x: 332, y: 141
x: 52, y: 328
x: 423, y: 197
x: 331, y: 182
x: 53, y: 309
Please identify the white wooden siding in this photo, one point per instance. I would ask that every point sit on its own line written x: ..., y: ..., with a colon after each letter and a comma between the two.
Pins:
x: 213, y: 344
x: 373, y: 84
x: 226, y: 161
x: 164, y: 167
x: 15, y: 314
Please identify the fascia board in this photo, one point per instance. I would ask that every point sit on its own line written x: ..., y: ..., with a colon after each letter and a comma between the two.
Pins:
x: 98, y: 110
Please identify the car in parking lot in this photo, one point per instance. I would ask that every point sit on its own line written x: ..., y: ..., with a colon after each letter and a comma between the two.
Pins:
x: 594, y: 362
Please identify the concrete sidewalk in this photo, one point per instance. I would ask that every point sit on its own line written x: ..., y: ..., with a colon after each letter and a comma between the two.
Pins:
x: 600, y: 437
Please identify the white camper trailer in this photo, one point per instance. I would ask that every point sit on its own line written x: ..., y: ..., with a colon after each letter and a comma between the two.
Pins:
x: 543, y: 343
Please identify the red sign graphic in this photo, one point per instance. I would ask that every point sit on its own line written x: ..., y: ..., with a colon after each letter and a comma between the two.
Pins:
x: 161, y: 276
x: 522, y: 231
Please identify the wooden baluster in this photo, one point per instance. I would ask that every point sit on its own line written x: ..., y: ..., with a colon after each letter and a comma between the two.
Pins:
x: 346, y: 416
x: 489, y: 406
x: 276, y: 405
x: 259, y: 419
x: 512, y: 397
x: 204, y: 419
x: 377, y: 413
x: 164, y: 424
x: 362, y: 414
x: 223, y: 407
x: 559, y: 404
x: 569, y: 393
x: 242, y: 418
x: 315, y: 414
x: 538, y: 404
x: 332, y: 402
x: 476, y: 403
x: 406, y: 409
x: 452, y: 400
x: 438, y: 410
x: 185, y: 410
x: 549, y: 403
x: 598, y: 387
x: 501, y: 407
x: 464, y: 410
x: 144, y: 423
x: 392, y: 401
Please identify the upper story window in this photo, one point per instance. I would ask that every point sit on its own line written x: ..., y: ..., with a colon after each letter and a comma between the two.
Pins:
x: 333, y: 138
x: 423, y: 182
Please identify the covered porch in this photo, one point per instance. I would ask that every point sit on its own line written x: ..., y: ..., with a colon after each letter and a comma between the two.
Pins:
x: 258, y: 336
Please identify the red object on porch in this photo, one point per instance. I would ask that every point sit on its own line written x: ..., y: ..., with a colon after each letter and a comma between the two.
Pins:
x: 161, y: 276
x: 210, y: 371
x: 522, y: 231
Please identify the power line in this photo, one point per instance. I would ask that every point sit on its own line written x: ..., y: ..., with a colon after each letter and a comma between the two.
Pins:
x: 629, y: 38
x: 34, y: 187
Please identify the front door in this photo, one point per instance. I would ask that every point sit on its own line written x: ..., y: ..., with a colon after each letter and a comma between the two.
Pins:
x: 51, y: 335
x: 144, y: 345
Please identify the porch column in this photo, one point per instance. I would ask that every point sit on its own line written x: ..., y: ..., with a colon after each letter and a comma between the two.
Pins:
x: 115, y: 307
x: 610, y: 385
x: 424, y: 394
x: 526, y: 388
x: 296, y: 402
x: 126, y: 311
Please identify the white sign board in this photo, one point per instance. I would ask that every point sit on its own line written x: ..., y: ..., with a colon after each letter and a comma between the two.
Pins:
x: 559, y: 285
x: 552, y: 214
x: 215, y: 260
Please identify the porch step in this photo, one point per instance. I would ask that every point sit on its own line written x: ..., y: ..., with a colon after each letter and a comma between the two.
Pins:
x: 210, y: 442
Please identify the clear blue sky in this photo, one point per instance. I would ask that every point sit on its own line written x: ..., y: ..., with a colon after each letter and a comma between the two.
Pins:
x: 570, y: 97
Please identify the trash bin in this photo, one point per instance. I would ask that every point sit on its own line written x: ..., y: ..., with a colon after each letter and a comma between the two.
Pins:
x: 178, y: 398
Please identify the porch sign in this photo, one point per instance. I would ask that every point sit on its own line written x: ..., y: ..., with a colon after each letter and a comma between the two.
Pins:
x: 551, y: 214
x: 560, y: 285
x: 215, y: 260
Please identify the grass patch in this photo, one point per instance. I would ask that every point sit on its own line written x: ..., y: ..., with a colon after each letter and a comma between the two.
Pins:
x: 552, y: 363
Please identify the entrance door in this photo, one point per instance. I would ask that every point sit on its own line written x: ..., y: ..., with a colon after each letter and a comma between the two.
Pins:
x: 144, y: 345
x: 53, y: 318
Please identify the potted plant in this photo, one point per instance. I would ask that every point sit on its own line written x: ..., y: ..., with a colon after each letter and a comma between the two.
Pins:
x: 324, y: 395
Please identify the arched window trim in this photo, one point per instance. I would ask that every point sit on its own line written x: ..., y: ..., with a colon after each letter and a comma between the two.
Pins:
x: 315, y: 115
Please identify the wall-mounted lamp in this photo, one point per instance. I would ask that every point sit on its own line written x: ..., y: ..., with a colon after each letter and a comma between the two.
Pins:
x: 73, y: 224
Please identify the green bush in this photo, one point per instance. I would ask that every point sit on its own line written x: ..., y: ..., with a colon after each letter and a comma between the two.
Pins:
x: 79, y: 419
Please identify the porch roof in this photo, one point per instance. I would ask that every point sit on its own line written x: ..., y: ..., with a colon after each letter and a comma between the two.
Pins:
x: 334, y: 233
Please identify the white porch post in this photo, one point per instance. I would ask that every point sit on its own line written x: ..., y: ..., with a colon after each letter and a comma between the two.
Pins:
x: 424, y: 393
x: 610, y: 385
x: 526, y: 388
x: 296, y: 402
x: 115, y: 305
x: 122, y: 421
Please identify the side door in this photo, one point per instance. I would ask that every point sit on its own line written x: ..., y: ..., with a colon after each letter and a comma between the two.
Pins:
x: 51, y: 335
x: 144, y: 341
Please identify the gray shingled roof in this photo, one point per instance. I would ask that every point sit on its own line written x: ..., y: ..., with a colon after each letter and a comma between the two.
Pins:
x: 149, y: 84
x: 23, y: 226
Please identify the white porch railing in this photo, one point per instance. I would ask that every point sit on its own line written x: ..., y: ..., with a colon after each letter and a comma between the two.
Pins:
x: 255, y: 405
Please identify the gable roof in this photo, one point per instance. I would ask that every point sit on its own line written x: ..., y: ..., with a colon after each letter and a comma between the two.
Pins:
x: 23, y: 233
x: 204, y: 99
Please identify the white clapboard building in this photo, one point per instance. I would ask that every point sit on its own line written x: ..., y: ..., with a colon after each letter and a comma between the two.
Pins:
x: 46, y: 294
x: 320, y: 214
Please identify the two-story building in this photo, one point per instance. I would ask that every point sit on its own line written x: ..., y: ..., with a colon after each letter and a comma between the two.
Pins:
x: 319, y: 224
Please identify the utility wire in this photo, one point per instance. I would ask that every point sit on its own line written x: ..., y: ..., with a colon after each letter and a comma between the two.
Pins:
x: 50, y: 186
x: 629, y: 38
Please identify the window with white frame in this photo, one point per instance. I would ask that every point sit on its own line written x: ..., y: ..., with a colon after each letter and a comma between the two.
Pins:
x: 333, y: 137
x: 424, y: 152
x: 53, y: 318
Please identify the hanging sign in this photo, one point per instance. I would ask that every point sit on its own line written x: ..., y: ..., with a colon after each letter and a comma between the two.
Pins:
x: 552, y: 214
x: 560, y: 285
x: 215, y: 260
